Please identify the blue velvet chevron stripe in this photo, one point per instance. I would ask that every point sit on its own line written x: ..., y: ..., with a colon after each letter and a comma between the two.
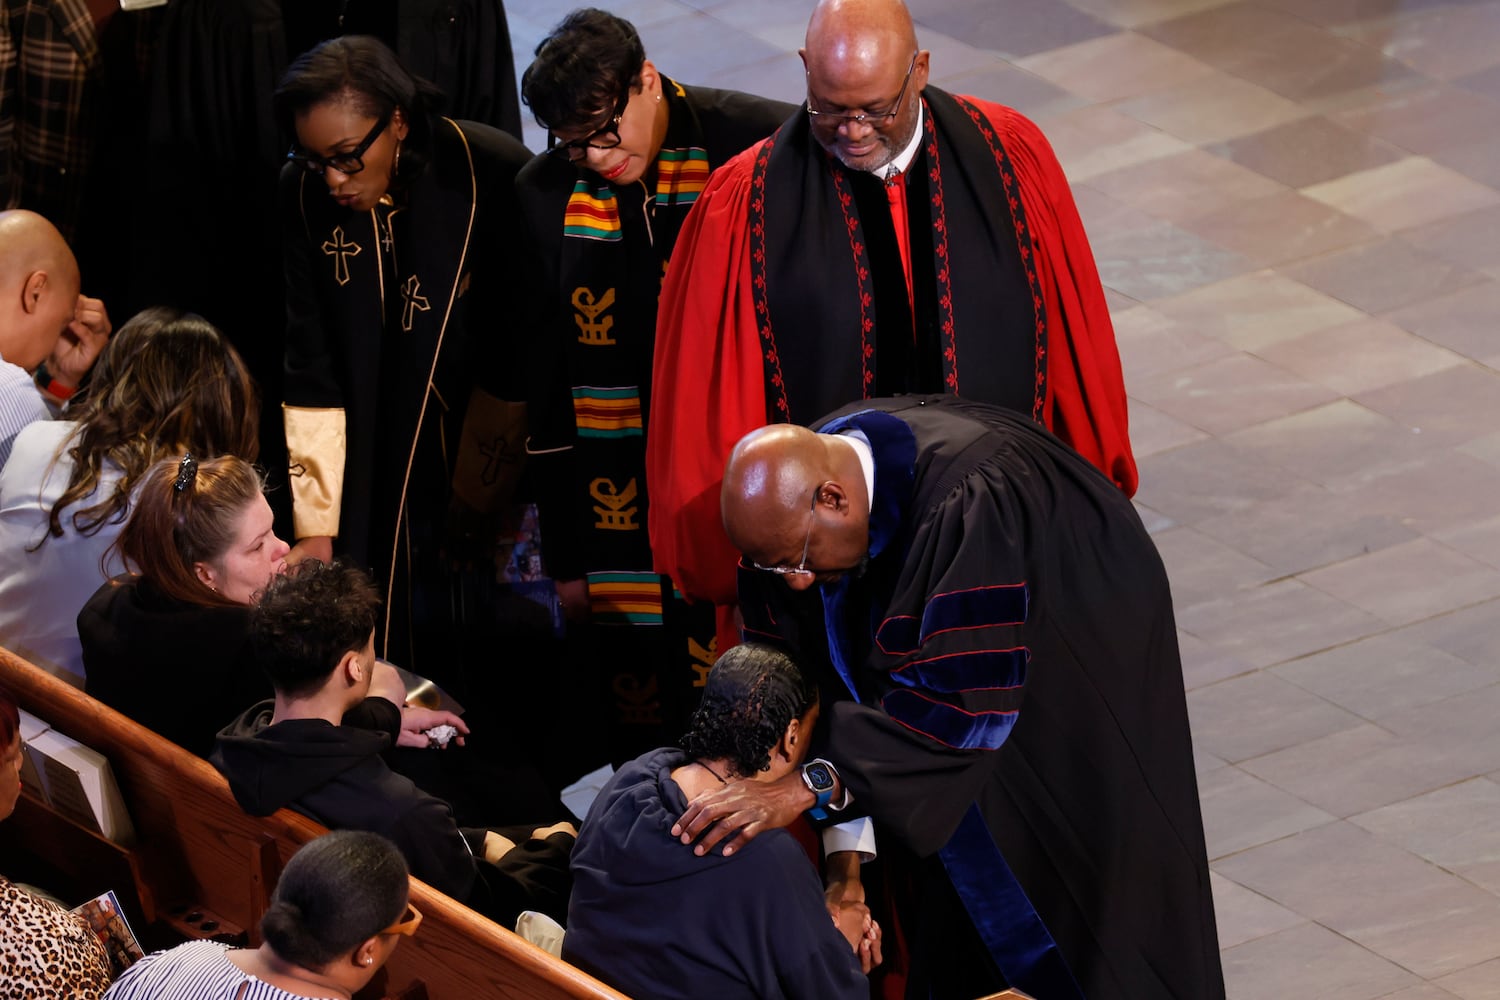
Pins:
x: 949, y: 724
x: 977, y: 607
x: 1008, y: 923
x: 971, y: 670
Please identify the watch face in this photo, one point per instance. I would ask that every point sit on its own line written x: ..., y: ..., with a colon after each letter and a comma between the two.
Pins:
x: 819, y: 776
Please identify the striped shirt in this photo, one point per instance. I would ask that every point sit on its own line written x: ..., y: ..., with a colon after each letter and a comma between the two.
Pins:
x: 20, y: 404
x: 198, y: 970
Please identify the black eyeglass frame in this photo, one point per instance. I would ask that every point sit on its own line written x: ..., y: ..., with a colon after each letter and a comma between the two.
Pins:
x: 576, y: 149
x: 349, y: 163
x: 833, y: 119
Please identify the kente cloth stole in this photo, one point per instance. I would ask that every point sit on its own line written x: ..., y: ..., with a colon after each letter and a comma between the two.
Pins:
x: 614, y: 252
x: 822, y: 234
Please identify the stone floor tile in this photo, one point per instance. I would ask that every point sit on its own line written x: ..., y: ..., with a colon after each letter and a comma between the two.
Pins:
x: 779, y: 77
x: 952, y: 56
x: 1115, y: 67
x: 1363, y: 768
x: 1469, y: 634
x: 1134, y: 13
x: 1415, y: 914
x: 1309, y: 961
x: 1243, y: 915
x: 1486, y: 449
x: 1382, y: 276
x: 1234, y: 392
x: 1448, y: 41
x: 1153, y: 521
x: 1241, y: 812
x: 1426, y: 120
x: 1185, y: 186
x: 1281, y: 228
x: 1201, y: 567
x: 1204, y: 664
x: 1095, y: 140
x: 1309, y: 65
x: 1480, y: 539
x: 1476, y: 159
x: 1159, y: 260
x: 1464, y: 321
x: 701, y: 47
x: 1308, y: 527
x: 1150, y: 343
x: 1408, y: 582
x: 1229, y: 36
x: 1152, y: 431
x: 1279, y: 621
x: 1356, y: 357
x: 1385, y: 674
x: 1409, y: 192
x: 1437, y: 493
x: 1254, y: 310
x: 1212, y: 109
x: 1351, y: 14
x: 1482, y: 982
x: 1017, y: 29
x: 1426, y: 991
x: 1452, y: 406
x: 1210, y: 478
x: 1260, y: 713
x: 1485, y: 82
x: 1456, y: 828
x: 1016, y: 88
x: 1461, y: 728
x: 1308, y: 151
x: 1327, y: 442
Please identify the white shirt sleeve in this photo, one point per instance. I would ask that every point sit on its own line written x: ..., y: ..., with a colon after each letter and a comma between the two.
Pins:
x: 853, y: 835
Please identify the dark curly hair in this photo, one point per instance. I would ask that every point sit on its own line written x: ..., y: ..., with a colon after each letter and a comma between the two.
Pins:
x: 752, y: 694
x: 364, y: 71
x: 337, y: 891
x: 307, y: 619
x: 582, y: 69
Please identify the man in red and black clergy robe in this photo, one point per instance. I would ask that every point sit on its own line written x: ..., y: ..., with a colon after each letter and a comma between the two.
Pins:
x: 888, y: 238
x: 1002, y: 692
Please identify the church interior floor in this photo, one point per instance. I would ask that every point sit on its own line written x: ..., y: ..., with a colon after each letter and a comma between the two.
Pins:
x: 1295, y: 205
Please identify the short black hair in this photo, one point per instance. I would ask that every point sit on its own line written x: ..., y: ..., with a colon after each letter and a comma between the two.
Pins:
x: 336, y: 892
x: 364, y: 70
x: 752, y: 694
x: 582, y: 69
x: 307, y: 619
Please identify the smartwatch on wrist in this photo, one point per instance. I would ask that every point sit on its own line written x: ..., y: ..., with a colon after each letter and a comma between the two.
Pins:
x: 820, y: 777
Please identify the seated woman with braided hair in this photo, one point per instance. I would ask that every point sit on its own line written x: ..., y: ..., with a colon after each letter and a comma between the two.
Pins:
x: 337, y: 914
x: 651, y: 918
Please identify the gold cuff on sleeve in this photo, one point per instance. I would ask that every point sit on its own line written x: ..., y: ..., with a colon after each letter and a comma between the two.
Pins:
x: 315, y: 445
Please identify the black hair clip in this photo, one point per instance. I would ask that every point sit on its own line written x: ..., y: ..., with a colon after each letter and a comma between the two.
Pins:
x: 187, y: 472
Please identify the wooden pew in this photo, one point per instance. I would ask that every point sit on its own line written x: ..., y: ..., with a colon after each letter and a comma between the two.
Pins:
x: 198, y: 854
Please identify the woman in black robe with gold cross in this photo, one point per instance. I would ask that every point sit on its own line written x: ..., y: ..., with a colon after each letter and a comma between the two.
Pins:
x: 405, y: 302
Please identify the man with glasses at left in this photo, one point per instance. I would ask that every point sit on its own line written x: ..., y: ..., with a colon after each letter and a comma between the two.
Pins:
x: 629, y: 152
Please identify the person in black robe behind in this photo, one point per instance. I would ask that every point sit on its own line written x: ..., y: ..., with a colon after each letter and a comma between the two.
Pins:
x: 1003, y: 694
x: 405, y: 306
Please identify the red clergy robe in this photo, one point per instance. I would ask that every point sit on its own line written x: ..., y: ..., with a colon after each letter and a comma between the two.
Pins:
x: 709, y: 368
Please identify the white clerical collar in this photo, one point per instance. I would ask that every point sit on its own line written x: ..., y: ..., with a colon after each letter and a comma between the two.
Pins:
x: 856, y: 439
x: 900, y: 164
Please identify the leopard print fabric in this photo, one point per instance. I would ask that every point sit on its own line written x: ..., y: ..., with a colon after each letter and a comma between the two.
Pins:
x: 47, y: 952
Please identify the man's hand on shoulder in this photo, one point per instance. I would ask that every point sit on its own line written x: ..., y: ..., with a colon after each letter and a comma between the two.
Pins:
x: 80, y: 343
x: 743, y: 808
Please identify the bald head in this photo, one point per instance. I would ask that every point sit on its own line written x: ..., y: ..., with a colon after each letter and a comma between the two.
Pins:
x: 783, y: 480
x: 38, y: 287
x: 862, y: 58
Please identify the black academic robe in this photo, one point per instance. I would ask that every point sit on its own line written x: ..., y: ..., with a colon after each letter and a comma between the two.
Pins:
x: 1006, y: 700
x: 600, y: 253
x: 402, y: 322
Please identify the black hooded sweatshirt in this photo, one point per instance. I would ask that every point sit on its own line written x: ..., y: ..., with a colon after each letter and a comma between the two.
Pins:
x: 335, y: 775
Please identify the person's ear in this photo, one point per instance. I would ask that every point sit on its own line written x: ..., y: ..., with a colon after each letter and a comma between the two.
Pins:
x: 787, y: 748
x: 206, y: 576
x: 650, y: 78
x: 368, y: 953
x: 353, y: 667
x: 32, y: 290
x: 835, y: 496
x: 399, y: 126
x: 919, y: 72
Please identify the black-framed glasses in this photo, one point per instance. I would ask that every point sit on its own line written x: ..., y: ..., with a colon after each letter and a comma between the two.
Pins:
x: 801, y: 568
x: 874, y: 119
x: 348, y: 164
x: 605, y: 137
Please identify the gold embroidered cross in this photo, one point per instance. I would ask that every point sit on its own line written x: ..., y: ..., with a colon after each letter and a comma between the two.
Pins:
x: 340, y: 252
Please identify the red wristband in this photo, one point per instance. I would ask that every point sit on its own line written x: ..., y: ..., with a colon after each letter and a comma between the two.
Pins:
x: 57, y: 390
